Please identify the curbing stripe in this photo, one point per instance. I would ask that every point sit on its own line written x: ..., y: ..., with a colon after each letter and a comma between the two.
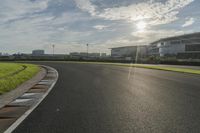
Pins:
x: 27, y: 113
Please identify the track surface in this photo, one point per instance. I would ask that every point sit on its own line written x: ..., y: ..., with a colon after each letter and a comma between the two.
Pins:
x: 92, y: 98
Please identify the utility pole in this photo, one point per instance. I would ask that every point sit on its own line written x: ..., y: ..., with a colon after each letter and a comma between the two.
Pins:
x: 53, y: 46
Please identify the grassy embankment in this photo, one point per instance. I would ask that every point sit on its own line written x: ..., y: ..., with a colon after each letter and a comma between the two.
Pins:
x: 14, y: 74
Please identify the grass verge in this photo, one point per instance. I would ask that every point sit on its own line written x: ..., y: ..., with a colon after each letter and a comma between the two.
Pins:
x: 157, y: 67
x: 9, y: 68
x: 9, y: 79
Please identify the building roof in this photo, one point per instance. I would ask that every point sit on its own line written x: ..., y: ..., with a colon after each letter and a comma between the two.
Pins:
x: 177, y: 37
x: 38, y: 50
x: 129, y: 46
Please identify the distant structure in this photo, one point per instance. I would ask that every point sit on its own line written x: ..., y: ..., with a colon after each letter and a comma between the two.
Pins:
x: 94, y: 55
x: 85, y: 55
x: 129, y: 52
x: 103, y: 55
x: 184, y: 46
x: 38, y: 52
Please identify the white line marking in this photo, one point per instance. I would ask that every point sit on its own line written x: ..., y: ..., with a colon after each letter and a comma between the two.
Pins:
x: 28, y: 94
x: 16, y: 101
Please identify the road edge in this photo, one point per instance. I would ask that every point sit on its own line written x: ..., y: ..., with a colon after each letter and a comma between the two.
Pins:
x: 28, y: 112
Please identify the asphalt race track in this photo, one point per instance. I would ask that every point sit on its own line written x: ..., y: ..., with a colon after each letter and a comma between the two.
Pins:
x: 92, y: 98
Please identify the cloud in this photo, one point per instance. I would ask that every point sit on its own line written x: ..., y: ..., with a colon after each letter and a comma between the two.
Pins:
x: 100, y: 27
x: 12, y: 9
x: 38, y: 30
x: 154, y: 13
x: 27, y: 24
x: 86, y: 5
x: 189, y: 22
x: 35, y: 24
x: 153, y: 35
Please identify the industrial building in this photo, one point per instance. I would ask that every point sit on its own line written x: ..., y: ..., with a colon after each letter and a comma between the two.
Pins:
x: 129, y: 52
x: 184, y: 46
x: 38, y: 52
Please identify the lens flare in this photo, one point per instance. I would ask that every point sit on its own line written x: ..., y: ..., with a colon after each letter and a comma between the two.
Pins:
x: 141, y: 26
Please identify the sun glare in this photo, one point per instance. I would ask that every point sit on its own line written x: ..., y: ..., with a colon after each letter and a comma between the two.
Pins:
x: 141, y: 26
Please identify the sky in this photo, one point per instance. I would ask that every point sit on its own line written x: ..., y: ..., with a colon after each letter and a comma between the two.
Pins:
x: 26, y: 25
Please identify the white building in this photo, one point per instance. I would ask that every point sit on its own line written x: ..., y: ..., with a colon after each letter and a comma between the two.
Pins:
x: 129, y: 51
x: 172, y: 46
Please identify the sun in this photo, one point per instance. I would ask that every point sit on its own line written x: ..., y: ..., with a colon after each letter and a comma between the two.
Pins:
x: 141, y: 26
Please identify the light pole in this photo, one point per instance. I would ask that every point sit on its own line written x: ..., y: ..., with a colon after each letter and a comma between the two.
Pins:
x: 53, y: 46
x: 87, y: 49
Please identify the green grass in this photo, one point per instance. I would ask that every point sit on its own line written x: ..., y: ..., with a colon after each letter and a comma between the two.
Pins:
x: 9, y: 68
x: 8, y: 82
x: 157, y: 67
x: 166, y: 68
